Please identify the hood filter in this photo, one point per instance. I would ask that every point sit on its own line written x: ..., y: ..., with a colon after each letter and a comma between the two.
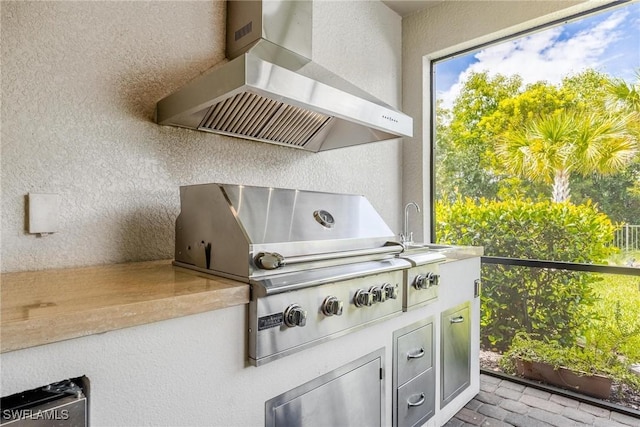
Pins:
x: 253, y: 116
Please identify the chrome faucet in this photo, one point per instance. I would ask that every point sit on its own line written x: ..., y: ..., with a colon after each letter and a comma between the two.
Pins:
x: 407, y: 236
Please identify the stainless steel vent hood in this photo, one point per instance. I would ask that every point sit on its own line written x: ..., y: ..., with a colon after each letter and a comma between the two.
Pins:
x: 270, y: 91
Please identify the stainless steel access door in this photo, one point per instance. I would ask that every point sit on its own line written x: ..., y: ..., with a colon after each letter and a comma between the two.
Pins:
x: 351, y: 395
x: 455, y: 352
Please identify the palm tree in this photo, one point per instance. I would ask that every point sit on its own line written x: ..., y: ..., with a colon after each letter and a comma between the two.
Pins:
x: 627, y: 95
x: 552, y: 147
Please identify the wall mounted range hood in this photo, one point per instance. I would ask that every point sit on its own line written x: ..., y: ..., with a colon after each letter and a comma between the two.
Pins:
x: 270, y: 91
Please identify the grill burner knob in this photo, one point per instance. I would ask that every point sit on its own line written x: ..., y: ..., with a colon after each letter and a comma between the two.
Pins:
x: 332, y: 306
x: 379, y: 295
x: 425, y: 281
x: 363, y: 298
x: 390, y: 290
x: 421, y: 281
x: 294, y: 315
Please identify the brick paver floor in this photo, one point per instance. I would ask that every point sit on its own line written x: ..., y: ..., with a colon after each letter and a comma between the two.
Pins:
x: 505, y: 403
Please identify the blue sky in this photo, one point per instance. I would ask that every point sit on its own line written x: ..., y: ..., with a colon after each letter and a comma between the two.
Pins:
x: 608, y: 41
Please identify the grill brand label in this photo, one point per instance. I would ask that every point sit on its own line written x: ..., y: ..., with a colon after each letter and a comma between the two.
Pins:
x: 270, y: 321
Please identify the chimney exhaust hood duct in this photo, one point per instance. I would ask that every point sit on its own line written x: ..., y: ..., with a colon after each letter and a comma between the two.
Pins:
x: 270, y: 91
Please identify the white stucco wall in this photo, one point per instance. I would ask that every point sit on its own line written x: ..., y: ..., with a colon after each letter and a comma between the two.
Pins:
x: 445, y: 29
x: 189, y: 371
x: 79, y: 85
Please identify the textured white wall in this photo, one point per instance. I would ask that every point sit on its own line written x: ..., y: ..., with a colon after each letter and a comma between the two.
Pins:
x: 79, y: 85
x: 451, y: 27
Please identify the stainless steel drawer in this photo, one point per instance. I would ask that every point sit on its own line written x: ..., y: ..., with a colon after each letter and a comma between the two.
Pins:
x: 414, y: 353
x: 416, y: 399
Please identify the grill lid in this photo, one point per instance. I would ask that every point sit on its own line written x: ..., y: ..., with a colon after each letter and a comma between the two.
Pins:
x: 228, y: 229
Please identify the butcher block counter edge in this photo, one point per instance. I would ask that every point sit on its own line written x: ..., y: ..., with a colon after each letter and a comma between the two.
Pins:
x: 42, y: 307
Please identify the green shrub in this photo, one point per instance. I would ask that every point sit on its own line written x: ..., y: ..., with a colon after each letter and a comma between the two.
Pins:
x: 588, y: 359
x: 531, y: 348
x: 536, y: 300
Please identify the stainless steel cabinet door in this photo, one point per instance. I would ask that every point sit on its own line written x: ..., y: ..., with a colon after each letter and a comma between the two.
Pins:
x: 349, y: 396
x: 455, y: 352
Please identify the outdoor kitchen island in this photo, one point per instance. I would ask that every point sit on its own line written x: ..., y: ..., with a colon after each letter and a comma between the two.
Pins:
x: 176, y: 354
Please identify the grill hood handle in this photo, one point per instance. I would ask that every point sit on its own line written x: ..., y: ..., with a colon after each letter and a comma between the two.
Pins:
x: 273, y: 260
x: 269, y: 260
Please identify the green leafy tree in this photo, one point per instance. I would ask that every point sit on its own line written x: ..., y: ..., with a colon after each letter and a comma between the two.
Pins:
x: 587, y: 91
x: 552, y: 147
x: 615, y: 194
x: 462, y: 163
x: 626, y: 97
x: 581, y: 95
x: 489, y: 109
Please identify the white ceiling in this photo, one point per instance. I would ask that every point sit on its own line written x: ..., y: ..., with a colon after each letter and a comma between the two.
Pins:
x: 407, y: 7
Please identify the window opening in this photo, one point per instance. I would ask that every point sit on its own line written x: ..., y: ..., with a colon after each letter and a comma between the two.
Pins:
x: 536, y: 157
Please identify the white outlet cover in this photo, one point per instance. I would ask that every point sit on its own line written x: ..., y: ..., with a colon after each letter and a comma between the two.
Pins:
x: 44, y: 210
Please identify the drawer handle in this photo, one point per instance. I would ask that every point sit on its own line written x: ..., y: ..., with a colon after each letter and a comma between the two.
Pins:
x: 420, y: 401
x: 416, y: 355
x: 458, y: 319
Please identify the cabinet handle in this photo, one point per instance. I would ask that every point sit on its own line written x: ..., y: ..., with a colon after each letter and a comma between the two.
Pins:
x: 416, y: 355
x: 458, y: 319
x: 420, y: 401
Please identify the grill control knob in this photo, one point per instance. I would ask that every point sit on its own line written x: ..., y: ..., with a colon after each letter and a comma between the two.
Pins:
x: 434, y: 280
x: 421, y: 281
x: 425, y: 281
x: 332, y: 306
x: 379, y: 295
x: 363, y: 298
x: 391, y: 291
x: 294, y: 315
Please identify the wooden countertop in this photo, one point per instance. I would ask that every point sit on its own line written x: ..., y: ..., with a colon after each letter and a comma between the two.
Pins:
x: 41, y: 307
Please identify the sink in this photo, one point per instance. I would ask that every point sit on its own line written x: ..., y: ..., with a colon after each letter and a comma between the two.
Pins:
x: 427, y: 247
x: 425, y: 253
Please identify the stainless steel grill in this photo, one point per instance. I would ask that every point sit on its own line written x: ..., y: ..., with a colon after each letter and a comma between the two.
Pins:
x: 320, y: 265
